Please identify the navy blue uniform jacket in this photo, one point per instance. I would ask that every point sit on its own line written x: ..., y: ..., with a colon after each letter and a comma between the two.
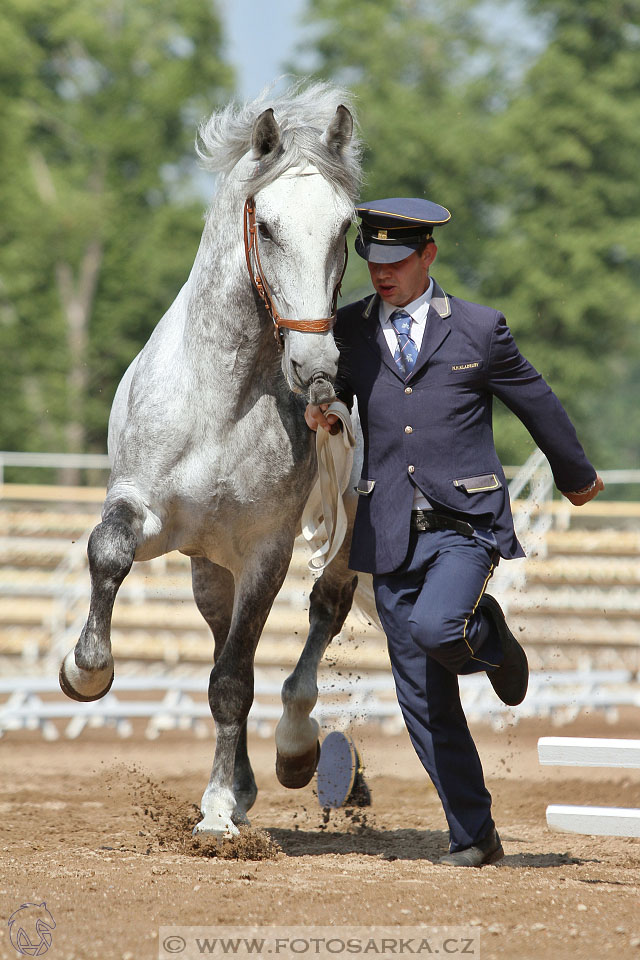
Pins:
x: 435, y: 429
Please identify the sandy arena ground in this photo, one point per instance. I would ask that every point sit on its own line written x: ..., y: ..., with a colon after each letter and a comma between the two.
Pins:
x: 100, y: 828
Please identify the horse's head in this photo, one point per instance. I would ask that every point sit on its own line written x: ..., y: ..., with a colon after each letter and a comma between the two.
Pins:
x: 301, y: 218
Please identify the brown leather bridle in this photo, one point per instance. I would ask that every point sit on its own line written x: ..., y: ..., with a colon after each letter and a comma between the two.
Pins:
x: 259, y: 281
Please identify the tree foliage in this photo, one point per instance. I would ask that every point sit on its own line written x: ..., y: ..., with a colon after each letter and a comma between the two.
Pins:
x: 564, y: 251
x: 99, y: 104
x: 425, y: 77
x: 539, y: 168
x: 99, y: 101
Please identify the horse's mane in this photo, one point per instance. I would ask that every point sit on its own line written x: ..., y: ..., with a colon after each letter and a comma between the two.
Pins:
x: 303, y: 114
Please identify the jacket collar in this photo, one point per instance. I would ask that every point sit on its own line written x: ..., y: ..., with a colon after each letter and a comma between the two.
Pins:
x: 370, y: 303
x: 437, y: 329
x: 440, y: 301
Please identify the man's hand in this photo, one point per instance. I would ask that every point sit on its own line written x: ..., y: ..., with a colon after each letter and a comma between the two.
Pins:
x: 314, y: 417
x: 580, y: 497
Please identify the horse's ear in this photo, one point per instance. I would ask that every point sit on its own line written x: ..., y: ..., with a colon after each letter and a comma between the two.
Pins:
x: 265, y: 135
x: 338, y: 134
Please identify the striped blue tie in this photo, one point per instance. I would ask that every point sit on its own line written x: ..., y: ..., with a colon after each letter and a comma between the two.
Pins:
x: 406, y: 353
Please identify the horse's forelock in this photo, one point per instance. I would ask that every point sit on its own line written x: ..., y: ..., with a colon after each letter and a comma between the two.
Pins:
x: 302, y: 115
x: 300, y: 147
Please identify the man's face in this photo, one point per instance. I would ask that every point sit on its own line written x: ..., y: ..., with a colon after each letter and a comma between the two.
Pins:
x: 404, y: 281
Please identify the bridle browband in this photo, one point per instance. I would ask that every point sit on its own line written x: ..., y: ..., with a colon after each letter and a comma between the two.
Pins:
x: 259, y: 281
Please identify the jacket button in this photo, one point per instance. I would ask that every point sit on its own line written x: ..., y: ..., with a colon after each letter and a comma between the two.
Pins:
x: 408, y: 390
x: 411, y: 468
x: 408, y: 429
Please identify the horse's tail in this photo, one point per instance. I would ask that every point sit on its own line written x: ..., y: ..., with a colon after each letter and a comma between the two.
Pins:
x: 364, y: 603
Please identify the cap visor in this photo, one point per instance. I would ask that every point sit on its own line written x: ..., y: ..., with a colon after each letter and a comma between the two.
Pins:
x: 383, y: 253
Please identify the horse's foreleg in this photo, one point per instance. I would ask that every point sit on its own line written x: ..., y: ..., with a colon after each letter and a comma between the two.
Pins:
x: 297, y: 732
x: 213, y: 590
x: 86, y: 673
x: 231, y: 688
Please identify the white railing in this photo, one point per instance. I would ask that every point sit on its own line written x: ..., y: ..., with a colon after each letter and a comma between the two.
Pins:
x: 180, y: 702
x: 55, y: 461
x: 71, y: 599
x: 101, y: 461
x: 592, y: 752
x: 531, y: 521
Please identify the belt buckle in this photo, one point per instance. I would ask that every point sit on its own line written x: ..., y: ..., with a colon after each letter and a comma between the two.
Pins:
x: 466, y: 529
x: 420, y: 521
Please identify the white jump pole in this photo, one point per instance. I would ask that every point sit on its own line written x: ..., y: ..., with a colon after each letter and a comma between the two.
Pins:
x: 591, y: 752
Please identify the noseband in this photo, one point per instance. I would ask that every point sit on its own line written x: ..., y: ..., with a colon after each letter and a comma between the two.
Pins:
x: 259, y: 281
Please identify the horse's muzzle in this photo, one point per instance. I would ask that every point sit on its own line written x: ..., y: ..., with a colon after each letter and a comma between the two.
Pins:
x: 321, y: 389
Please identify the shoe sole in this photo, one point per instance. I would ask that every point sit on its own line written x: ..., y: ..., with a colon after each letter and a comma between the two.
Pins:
x: 491, y: 605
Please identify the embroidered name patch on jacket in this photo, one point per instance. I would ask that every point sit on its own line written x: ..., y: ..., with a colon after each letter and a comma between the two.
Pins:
x: 466, y: 366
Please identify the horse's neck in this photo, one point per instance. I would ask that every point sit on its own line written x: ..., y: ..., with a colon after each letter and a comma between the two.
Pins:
x: 225, y: 337
x: 224, y: 324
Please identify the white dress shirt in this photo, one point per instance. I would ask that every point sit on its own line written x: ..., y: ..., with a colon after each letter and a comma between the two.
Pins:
x: 417, y: 310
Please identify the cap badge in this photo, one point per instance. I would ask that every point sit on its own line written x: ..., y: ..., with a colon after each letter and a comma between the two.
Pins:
x: 382, y: 235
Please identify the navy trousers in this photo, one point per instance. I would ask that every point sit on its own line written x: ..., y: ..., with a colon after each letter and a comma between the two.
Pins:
x: 435, y: 631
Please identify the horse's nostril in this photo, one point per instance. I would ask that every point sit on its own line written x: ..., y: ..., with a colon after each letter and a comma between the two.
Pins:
x: 297, y: 374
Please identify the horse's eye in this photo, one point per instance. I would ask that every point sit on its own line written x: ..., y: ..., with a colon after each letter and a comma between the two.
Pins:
x: 264, y: 231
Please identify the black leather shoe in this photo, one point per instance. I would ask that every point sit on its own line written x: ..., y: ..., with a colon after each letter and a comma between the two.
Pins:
x: 487, y: 850
x: 510, y: 679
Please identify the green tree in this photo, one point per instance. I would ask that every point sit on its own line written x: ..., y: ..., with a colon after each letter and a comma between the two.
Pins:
x: 536, y: 158
x: 427, y: 80
x: 100, y: 101
x: 563, y: 258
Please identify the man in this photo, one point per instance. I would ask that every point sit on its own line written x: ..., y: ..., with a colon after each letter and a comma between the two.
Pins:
x: 433, y: 516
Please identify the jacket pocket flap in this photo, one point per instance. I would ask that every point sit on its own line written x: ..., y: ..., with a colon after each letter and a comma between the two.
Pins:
x: 365, y: 487
x: 485, y: 482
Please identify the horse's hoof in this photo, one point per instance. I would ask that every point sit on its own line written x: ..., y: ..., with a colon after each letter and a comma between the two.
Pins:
x: 244, y: 802
x: 341, y: 780
x: 93, y: 684
x: 245, y: 797
x: 296, y: 772
x: 216, y: 827
x: 240, y: 818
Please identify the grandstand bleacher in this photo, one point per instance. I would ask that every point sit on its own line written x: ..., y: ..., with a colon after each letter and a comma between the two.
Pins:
x: 575, y: 604
x: 44, y: 591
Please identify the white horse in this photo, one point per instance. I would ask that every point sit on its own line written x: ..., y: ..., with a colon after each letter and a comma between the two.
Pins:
x: 211, y: 455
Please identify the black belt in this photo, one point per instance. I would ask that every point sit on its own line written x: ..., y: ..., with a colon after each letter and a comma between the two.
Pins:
x: 422, y: 520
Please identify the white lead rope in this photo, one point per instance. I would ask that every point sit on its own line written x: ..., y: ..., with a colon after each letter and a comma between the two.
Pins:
x: 324, y: 520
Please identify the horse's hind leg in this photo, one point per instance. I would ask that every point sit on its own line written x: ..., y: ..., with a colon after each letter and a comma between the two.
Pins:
x: 86, y: 673
x: 213, y: 590
x: 297, y: 733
